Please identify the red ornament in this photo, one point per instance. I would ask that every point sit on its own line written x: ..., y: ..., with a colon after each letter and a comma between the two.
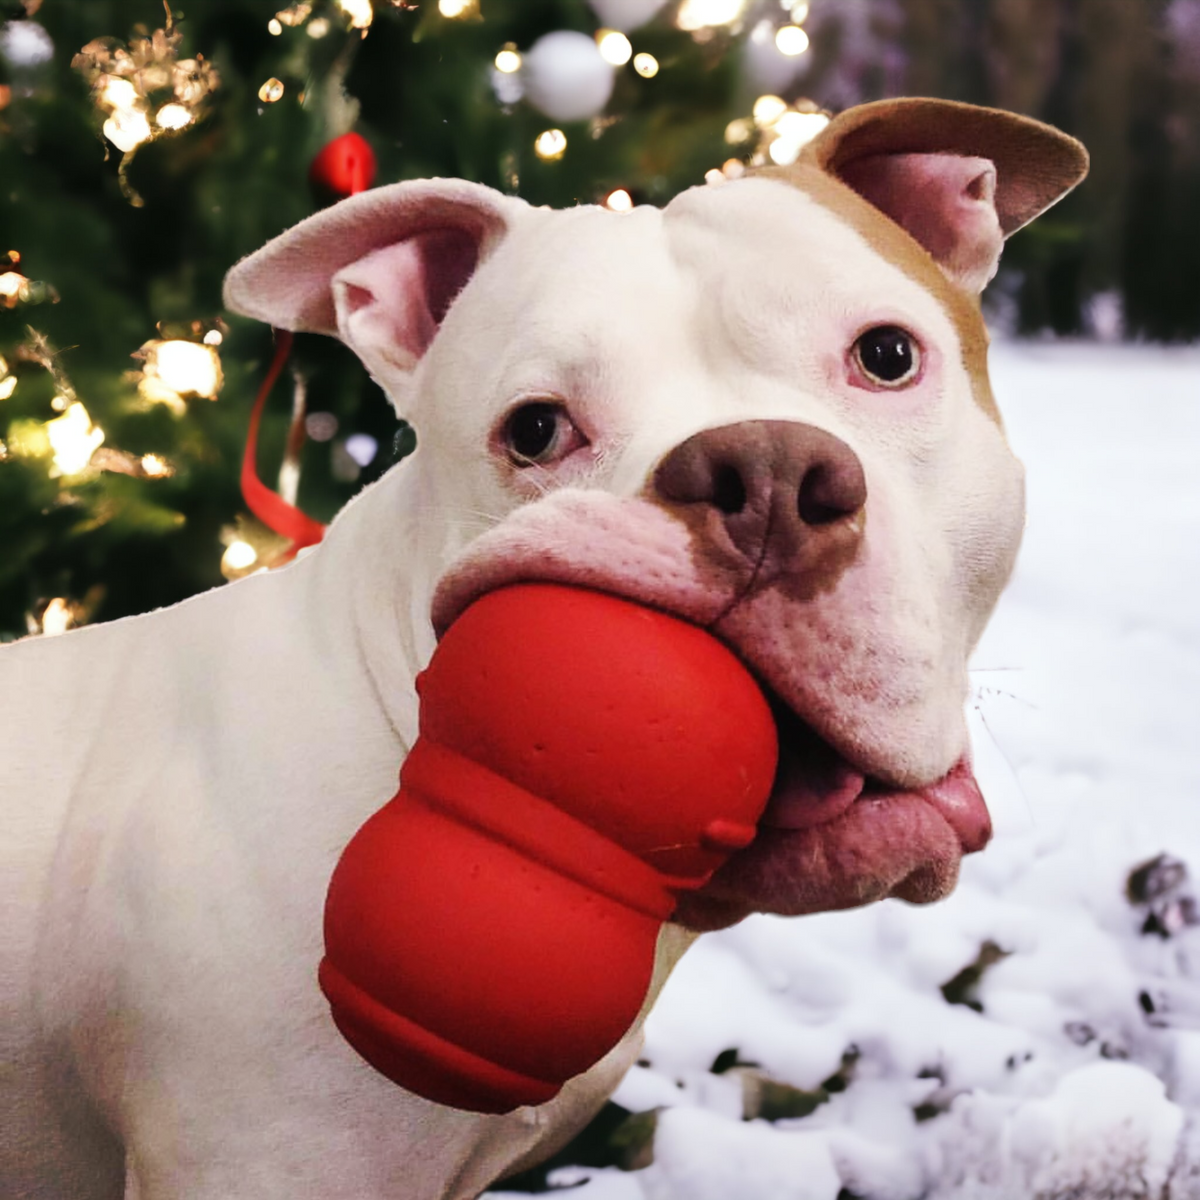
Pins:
x: 490, y: 932
x: 344, y: 167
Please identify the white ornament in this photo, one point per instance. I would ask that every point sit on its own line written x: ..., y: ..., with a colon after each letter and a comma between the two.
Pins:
x: 626, y: 14
x: 565, y: 76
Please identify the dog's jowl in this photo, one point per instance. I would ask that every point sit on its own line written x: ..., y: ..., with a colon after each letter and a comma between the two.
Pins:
x: 764, y: 409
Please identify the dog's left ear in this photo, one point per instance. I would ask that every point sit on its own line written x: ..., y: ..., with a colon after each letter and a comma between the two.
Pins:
x: 958, y: 178
x: 379, y: 270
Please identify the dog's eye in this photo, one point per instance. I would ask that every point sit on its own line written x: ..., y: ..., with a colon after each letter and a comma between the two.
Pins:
x: 888, y: 356
x: 538, y: 433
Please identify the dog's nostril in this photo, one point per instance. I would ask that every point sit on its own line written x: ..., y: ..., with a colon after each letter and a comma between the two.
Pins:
x: 729, y: 492
x: 820, y: 500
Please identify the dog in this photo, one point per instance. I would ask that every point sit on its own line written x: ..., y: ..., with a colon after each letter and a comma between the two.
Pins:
x: 764, y: 408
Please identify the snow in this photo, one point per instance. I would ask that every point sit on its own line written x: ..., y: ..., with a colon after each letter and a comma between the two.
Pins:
x: 1080, y: 1076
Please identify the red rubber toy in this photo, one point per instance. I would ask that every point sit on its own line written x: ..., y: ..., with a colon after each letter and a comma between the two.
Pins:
x: 490, y: 932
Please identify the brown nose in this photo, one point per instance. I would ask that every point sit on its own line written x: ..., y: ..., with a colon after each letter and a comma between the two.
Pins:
x: 780, y: 498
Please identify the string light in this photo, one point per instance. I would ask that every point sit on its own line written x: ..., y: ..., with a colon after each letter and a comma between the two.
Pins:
x: 57, y: 617
x: 360, y: 12
x: 793, y: 131
x: 214, y: 337
x: 127, y: 129
x: 704, y: 14
x: 295, y: 14
x: 173, y: 116
x: 619, y: 201
x: 615, y: 48
x: 738, y: 131
x: 274, y: 28
x: 456, y: 8
x: 271, y: 91
x: 508, y: 61
x: 318, y: 27
x: 551, y: 144
x: 175, y: 368
x: 155, y: 467
x: 73, y: 440
x: 188, y: 368
x: 791, y: 40
x: 768, y: 109
x: 796, y: 9
x: 238, y: 556
x: 123, y: 78
x: 8, y: 383
x: 646, y: 65
x: 14, y: 288
x: 116, y: 92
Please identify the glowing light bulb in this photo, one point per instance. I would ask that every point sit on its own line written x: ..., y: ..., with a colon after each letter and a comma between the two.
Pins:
x: 73, y: 439
x: 768, y: 109
x: 187, y: 368
x: 127, y: 128
x: 271, y: 91
x: 739, y: 130
x: 360, y: 12
x: 795, y: 130
x: 155, y: 467
x: 239, y: 555
x: 614, y: 47
x: 173, y: 116
x: 118, y: 93
x: 646, y: 65
x: 508, y: 61
x: 454, y: 8
x: 214, y: 337
x: 791, y: 40
x: 796, y: 9
x: 14, y: 287
x: 551, y: 144
x: 57, y: 618
x: 8, y: 385
x: 703, y: 14
x: 619, y: 201
x: 318, y: 27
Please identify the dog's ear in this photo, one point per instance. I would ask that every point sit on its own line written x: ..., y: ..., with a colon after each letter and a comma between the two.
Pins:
x: 379, y: 270
x: 957, y: 177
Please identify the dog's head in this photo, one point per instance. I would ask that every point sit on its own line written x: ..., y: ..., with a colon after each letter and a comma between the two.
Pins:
x: 764, y: 408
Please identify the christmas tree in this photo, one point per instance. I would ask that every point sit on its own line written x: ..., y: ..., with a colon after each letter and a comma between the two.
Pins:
x: 145, y: 150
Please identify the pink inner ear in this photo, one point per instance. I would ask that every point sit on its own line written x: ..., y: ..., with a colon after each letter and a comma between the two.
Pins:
x: 947, y: 202
x: 390, y: 302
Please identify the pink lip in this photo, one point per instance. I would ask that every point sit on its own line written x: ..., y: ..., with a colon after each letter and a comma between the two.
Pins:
x: 843, y: 850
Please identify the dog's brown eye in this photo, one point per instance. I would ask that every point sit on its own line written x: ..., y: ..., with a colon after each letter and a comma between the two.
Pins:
x: 539, y: 432
x: 888, y: 356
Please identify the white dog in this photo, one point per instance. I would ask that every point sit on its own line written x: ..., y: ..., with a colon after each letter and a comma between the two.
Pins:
x: 764, y: 408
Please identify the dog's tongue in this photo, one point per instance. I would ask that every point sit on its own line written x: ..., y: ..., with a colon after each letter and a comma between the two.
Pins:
x: 814, y: 785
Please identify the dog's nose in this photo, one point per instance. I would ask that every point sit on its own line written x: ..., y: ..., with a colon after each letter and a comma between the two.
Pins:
x: 782, y: 497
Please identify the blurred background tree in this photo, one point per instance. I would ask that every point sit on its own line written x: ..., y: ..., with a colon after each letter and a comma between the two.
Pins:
x: 143, y: 151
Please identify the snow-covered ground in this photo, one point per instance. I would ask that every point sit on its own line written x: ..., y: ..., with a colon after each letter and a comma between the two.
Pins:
x: 1080, y: 1076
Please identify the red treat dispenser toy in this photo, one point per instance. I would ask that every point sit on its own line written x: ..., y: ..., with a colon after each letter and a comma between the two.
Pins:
x: 490, y: 932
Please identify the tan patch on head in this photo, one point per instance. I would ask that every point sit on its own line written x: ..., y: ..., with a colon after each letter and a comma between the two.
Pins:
x: 902, y: 250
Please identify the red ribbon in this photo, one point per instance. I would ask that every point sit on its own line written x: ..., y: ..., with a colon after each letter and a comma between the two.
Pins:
x: 346, y: 166
x: 268, y: 506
